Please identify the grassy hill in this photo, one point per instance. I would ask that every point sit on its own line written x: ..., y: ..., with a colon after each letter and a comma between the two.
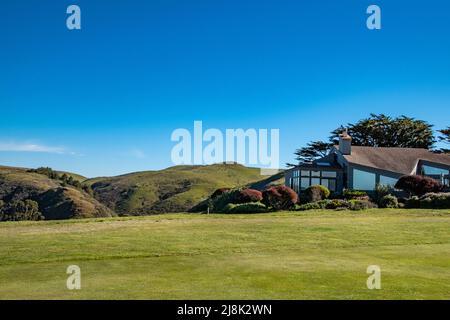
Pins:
x: 318, y: 254
x: 55, y: 200
x: 174, y: 189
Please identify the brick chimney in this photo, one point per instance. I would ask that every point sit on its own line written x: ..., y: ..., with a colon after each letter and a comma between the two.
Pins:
x: 345, y: 143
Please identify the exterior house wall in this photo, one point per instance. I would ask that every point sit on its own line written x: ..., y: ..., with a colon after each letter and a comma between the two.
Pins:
x: 289, y: 175
x: 377, y: 172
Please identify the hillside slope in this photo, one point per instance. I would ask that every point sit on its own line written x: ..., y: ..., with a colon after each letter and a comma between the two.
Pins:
x: 55, y: 201
x: 173, y: 189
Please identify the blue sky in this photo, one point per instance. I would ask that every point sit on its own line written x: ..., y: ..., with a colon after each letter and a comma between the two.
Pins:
x: 104, y: 100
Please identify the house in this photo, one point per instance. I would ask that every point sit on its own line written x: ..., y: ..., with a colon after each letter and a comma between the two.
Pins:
x: 362, y: 168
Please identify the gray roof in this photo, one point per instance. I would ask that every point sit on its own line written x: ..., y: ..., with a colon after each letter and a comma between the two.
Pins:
x: 400, y: 160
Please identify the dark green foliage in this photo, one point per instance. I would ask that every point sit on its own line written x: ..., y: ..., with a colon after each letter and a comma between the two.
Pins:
x: 316, y: 193
x: 65, y: 179
x: 418, y: 185
x: 412, y: 203
x: 388, y: 201
x: 445, y: 138
x: 253, y: 207
x: 377, y: 131
x: 280, y: 198
x: 380, y: 192
x: 383, y: 131
x: 355, y: 194
x: 312, y: 151
x: 220, y: 202
x: 219, y: 192
x: 309, y: 206
x: 20, y: 211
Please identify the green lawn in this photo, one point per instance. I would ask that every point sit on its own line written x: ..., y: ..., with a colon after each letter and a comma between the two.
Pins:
x: 302, y: 255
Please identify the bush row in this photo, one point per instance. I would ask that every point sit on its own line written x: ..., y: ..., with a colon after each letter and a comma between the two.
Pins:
x: 430, y: 201
x: 342, y: 204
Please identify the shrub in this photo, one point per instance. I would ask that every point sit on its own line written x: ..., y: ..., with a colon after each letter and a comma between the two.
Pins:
x: 388, y: 201
x: 381, y: 191
x: 412, y: 203
x: 280, y: 197
x: 337, y: 204
x: 228, y: 197
x: 249, y: 195
x: 316, y: 193
x: 219, y: 192
x: 418, y: 185
x: 20, y: 211
x: 356, y: 204
x: 308, y: 206
x: 435, y: 201
x: 253, y: 207
x: 355, y: 194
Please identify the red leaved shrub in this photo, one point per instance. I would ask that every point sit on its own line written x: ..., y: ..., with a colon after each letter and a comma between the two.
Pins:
x: 418, y: 185
x: 280, y: 197
x: 249, y: 195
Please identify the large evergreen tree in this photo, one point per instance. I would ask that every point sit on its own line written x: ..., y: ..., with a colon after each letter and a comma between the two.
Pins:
x: 445, y: 138
x: 384, y: 131
x: 376, y: 131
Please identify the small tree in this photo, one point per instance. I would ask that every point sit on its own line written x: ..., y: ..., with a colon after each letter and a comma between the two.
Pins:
x: 280, y: 197
x: 418, y: 185
x: 21, y: 210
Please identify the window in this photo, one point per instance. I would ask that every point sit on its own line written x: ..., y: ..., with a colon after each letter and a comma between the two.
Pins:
x: 388, y: 181
x: 363, y: 180
x: 318, y: 177
x: 332, y: 184
x: 329, y: 174
x: 428, y: 170
x: 304, y: 183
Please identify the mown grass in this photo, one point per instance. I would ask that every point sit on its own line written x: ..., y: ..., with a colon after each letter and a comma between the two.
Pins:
x: 307, y: 255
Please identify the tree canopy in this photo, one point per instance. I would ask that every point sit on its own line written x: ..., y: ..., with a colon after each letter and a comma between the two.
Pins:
x: 378, y: 130
x: 445, y: 138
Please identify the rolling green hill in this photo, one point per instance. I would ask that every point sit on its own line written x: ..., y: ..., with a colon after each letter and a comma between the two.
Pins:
x: 173, y: 189
x: 55, y: 200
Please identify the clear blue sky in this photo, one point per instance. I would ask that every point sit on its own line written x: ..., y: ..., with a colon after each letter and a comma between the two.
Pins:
x: 104, y: 100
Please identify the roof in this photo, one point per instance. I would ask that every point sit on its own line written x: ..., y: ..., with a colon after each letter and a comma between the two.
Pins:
x: 400, y: 160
